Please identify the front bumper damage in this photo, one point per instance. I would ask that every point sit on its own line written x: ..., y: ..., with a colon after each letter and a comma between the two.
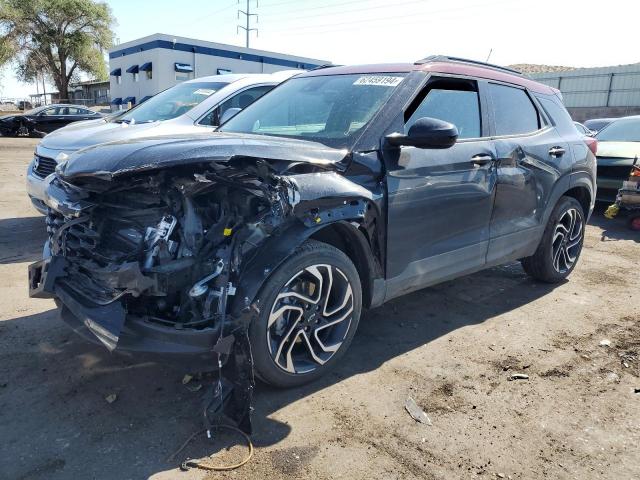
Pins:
x: 105, y: 324
x: 202, y: 350
x: 169, y: 265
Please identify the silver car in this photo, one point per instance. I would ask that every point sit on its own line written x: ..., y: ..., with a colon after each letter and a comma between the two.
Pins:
x: 195, y: 106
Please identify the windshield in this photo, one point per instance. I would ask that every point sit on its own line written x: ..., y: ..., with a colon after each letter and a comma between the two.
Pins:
x: 330, y: 109
x: 171, y: 103
x: 627, y: 130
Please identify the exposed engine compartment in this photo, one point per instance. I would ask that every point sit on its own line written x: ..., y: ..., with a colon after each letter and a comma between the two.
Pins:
x: 169, y: 243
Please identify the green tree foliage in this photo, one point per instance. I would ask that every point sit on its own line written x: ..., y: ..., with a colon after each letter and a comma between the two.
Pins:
x: 55, y: 38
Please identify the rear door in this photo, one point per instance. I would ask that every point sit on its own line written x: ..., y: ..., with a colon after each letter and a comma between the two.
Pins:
x: 440, y: 201
x: 531, y: 157
x: 76, y: 114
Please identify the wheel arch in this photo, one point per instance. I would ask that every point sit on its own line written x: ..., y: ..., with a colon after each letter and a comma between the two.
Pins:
x: 353, y: 242
x: 583, y: 189
x: 578, y: 186
x: 583, y: 196
x: 354, y: 237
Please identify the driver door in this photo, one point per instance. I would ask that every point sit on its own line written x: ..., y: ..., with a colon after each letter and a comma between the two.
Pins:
x: 47, y: 119
x: 440, y: 201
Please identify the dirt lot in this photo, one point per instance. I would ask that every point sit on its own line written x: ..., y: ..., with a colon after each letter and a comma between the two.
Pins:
x: 452, y: 348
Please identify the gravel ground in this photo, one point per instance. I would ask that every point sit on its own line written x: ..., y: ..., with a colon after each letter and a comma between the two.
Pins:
x: 452, y: 348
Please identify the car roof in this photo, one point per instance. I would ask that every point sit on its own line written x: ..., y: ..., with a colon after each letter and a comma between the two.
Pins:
x: 63, y: 105
x: 257, y: 77
x: 608, y: 119
x: 441, y: 64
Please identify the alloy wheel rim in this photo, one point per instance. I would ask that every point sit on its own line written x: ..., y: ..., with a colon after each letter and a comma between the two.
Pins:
x: 567, y: 236
x: 310, y: 319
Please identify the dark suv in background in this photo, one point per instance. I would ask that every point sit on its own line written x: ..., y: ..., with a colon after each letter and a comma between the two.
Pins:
x: 340, y: 189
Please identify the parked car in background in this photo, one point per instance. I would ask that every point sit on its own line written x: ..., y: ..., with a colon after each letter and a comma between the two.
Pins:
x: 24, y: 105
x: 343, y: 188
x: 618, y: 146
x: 195, y: 106
x: 42, y: 120
x: 584, y: 130
x: 597, y: 124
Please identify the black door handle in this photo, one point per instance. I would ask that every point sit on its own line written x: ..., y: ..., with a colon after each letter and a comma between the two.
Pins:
x: 556, y: 151
x: 481, y: 159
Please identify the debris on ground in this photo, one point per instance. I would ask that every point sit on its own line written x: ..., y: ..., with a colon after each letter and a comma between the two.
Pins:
x: 613, y: 377
x: 518, y: 376
x: 416, y: 412
x: 112, y: 397
x: 194, y: 387
x: 187, y: 378
x: 605, y: 343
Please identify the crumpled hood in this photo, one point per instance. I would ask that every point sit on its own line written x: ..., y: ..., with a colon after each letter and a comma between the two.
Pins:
x: 618, y: 149
x: 86, y: 133
x: 110, y: 160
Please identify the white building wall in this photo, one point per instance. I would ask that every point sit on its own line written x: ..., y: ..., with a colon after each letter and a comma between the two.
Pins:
x: 164, y: 53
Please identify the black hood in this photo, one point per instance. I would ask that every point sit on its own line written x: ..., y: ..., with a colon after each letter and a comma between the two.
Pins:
x: 110, y: 160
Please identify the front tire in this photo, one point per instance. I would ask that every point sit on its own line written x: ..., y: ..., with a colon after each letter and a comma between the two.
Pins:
x: 310, y: 308
x: 561, y: 244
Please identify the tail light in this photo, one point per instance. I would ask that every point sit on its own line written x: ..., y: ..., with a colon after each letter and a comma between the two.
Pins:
x: 592, y: 143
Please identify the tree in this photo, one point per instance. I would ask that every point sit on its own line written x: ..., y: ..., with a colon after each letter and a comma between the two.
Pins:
x: 56, y: 38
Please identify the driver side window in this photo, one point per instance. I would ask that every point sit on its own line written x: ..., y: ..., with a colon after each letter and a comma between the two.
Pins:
x: 446, y: 101
x: 51, y: 111
x: 241, y: 100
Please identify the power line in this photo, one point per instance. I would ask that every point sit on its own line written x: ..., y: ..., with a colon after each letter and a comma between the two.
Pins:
x: 386, y: 19
x: 209, y: 15
x: 340, y: 4
x: 341, y: 12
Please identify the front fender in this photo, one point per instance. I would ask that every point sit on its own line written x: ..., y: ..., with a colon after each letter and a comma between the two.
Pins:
x: 323, y: 199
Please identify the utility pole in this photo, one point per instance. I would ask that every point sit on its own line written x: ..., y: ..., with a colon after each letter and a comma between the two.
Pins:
x: 247, y: 29
x: 44, y: 90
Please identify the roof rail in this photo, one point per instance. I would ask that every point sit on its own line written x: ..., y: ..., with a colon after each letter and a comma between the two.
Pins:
x: 326, y: 65
x: 446, y: 58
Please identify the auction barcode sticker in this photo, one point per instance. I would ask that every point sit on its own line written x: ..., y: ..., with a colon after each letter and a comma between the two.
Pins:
x: 379, y: 80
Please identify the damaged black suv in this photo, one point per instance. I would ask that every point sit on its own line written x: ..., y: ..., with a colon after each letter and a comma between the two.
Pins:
x: 343, y: 188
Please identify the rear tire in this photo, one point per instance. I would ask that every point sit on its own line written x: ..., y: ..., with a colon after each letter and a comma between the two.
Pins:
x: 310, y: 308
x: 561, y: 244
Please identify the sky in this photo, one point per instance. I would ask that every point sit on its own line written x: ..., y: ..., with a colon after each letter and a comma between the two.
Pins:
x: 579, y: 33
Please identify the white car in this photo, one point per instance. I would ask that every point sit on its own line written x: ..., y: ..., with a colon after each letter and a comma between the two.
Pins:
x: 191, y: 107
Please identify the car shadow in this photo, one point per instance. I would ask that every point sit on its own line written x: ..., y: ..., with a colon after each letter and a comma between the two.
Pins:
x: 613, y: 229
x: 56, y: 419
x: 21, y: 239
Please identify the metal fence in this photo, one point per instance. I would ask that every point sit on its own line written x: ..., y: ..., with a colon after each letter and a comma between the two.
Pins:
x: 103, y: 100
x: 597, y: 87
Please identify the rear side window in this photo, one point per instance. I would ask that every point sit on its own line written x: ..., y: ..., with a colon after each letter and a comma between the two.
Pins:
x: 240, y: 100
x: 559, y: 115
x: 513, y: 110
x: 459, y: 107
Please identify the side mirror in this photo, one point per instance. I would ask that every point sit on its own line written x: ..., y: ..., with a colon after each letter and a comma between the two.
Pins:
x: 426, y: 132
x: 229, y: 113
